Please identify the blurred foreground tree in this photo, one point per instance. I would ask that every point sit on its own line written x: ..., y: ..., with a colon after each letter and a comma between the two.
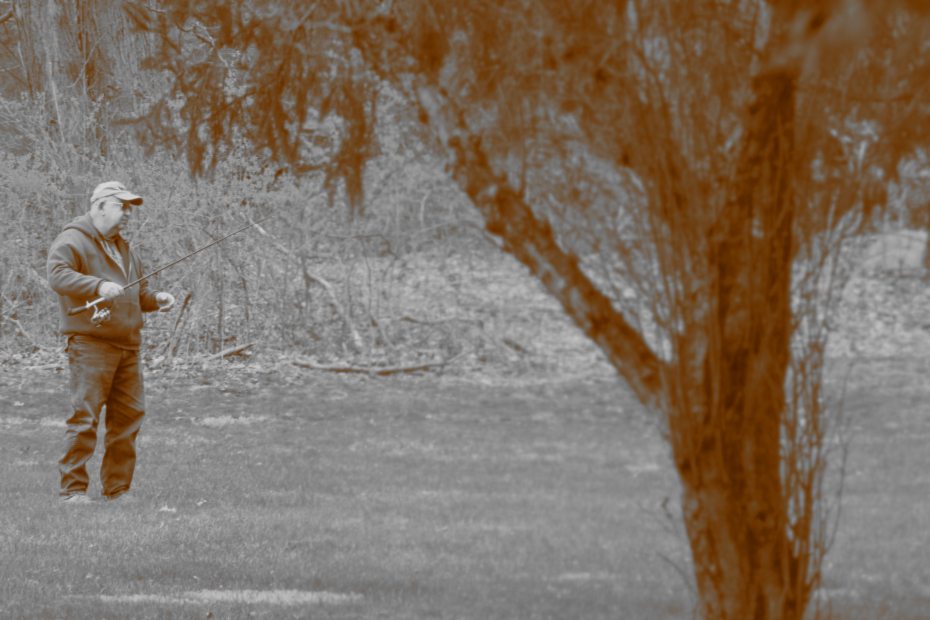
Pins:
x: 672, y: 171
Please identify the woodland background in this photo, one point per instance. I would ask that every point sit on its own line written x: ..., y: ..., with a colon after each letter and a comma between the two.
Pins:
x: 410, y: 282
x: 382, y: 289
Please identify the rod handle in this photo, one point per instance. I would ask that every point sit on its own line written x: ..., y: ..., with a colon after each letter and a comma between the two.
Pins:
x: 89, y: 305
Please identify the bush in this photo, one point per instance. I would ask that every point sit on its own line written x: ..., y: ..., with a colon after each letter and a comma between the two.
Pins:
x: 310, y: 279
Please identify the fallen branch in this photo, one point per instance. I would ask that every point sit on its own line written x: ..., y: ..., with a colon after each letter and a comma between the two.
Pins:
x: 226, y: 352
x: 378, y: 370
x: 453, y: 319
x: 55, y: 366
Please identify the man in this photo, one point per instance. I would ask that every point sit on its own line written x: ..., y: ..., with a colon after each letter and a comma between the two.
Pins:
x: 89, y: 260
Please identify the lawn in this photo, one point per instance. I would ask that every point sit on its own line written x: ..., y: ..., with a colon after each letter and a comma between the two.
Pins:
x: 457, y: 496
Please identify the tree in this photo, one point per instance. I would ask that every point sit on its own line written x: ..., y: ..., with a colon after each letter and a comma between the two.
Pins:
x: 74, y: 57
x: 672, y: 171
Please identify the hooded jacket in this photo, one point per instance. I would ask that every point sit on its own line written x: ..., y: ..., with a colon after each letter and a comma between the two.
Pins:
x: 77, y: 265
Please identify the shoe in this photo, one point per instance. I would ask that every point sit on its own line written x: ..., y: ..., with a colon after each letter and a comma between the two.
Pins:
x: 76, y: 498
x: 123, y: 498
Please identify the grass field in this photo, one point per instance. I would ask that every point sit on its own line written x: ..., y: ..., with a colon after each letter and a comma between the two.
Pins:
x: 418, y: 497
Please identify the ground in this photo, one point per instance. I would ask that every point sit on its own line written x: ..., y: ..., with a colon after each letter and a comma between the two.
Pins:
x: 466, y: 495
x: 521, y: 481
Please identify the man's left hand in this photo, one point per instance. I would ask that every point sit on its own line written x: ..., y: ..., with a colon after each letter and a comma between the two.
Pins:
x: 164, y: 300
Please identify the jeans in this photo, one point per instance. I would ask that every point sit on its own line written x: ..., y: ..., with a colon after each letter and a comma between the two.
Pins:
x: 102, y: 374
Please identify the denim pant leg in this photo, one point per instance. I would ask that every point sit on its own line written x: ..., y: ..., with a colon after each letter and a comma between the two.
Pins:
x: 93, y: 364
x: 125, y: 411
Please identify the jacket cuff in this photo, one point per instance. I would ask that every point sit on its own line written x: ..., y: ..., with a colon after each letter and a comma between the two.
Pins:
x: 147, y: 301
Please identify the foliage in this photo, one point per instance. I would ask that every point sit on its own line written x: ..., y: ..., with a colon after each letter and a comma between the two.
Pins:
x: 698, y: 164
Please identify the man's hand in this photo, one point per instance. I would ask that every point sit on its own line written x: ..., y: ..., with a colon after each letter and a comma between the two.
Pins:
x: 164, y: 300
x: 109, y: 290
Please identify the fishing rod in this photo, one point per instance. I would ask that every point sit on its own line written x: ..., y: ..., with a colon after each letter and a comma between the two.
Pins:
x: 101, y: 315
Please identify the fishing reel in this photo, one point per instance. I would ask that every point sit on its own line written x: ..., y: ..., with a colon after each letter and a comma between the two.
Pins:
x: 100, y: 316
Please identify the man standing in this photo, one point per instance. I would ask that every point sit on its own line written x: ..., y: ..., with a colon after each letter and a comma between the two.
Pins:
x: 88, y: 260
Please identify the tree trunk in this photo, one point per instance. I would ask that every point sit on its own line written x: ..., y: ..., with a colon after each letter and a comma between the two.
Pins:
x: 726, y: 442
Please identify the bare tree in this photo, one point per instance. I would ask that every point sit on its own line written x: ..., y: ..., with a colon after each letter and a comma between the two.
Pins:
x: 80, y: 61
x: 679, y: 174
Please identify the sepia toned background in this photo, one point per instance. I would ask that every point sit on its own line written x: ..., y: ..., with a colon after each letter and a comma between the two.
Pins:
x: 561, y: 309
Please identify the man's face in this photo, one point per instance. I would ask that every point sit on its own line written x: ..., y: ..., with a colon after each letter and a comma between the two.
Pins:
x: 114, y: 216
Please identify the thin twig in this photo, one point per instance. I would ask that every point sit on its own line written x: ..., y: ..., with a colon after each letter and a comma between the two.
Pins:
x: 23, y: 330
x: 324, y: 283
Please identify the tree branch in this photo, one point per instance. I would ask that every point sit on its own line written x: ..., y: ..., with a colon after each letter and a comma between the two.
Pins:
x: 532, y: 242
x: 858, y: 96
x: 343, y: 314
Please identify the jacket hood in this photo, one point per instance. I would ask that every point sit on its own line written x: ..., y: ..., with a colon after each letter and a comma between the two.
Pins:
x: 86, y: 226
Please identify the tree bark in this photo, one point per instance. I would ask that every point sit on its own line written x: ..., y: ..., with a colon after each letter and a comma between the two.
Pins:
x: 728, y: 451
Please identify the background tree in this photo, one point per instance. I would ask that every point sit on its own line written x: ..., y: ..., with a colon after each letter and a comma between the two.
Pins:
x: 678, y: 174
x: 80, y: 61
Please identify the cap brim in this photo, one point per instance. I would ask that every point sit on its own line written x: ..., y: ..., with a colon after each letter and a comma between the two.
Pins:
x: 130, y: 198
x: 124, y: 196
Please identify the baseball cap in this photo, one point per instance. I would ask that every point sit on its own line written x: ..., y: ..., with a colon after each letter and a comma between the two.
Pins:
x: 117, y: 189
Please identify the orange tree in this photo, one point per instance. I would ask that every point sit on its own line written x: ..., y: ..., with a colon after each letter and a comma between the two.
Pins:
x: 671, y: 170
